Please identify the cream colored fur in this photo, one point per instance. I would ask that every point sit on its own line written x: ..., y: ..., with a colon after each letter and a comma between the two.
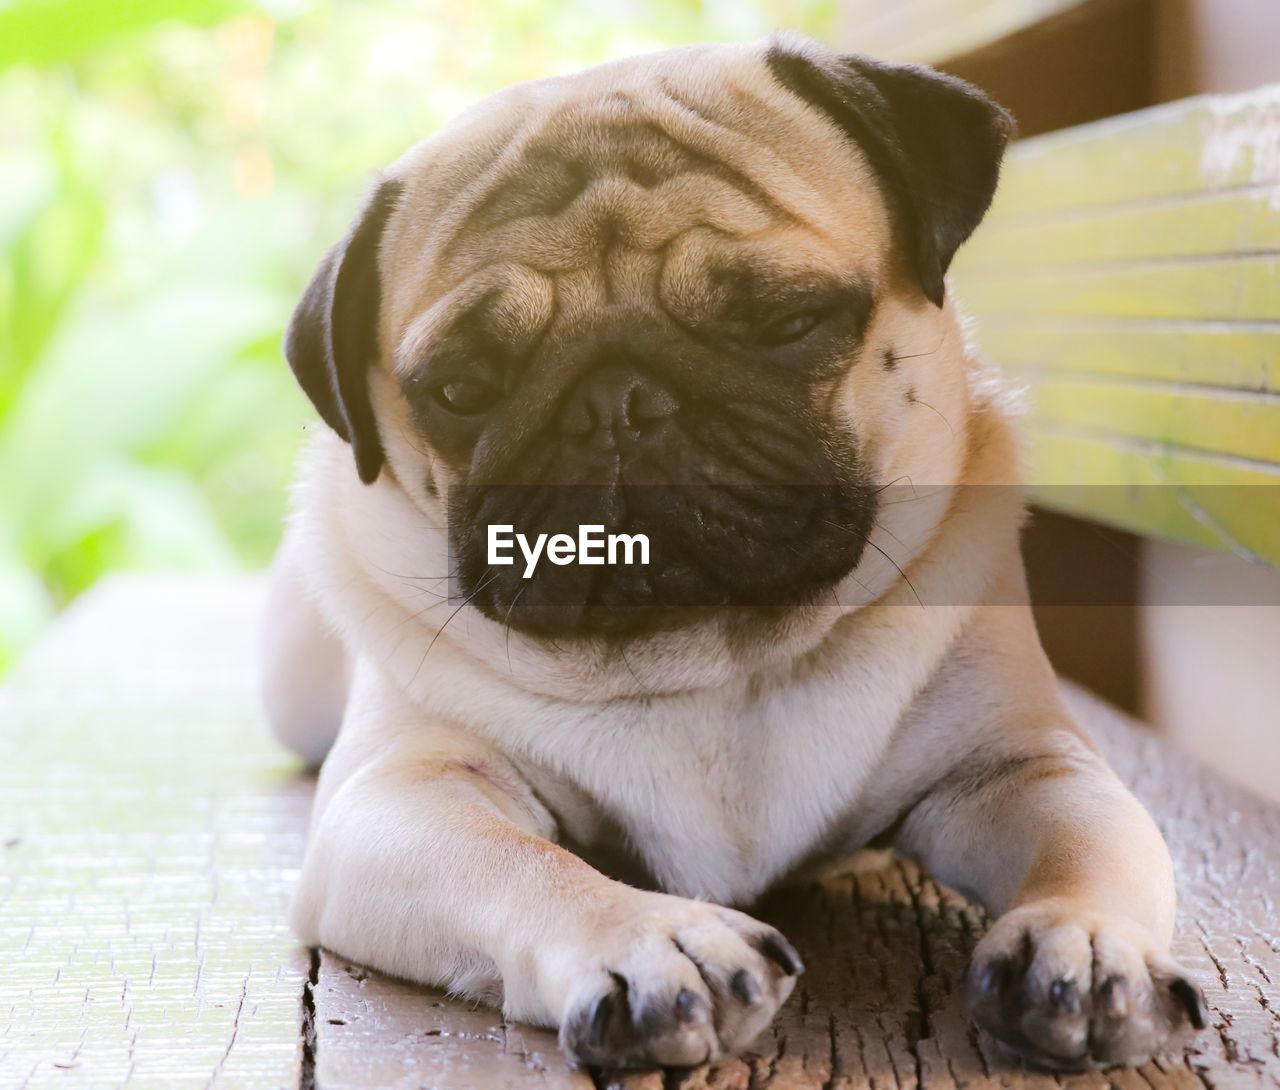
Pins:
x: 726, y: 754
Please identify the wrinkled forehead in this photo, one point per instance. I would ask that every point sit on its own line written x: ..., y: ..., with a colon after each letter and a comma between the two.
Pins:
x: 696, y: 149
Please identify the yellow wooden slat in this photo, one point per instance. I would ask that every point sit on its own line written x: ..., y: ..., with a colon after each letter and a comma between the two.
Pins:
x: 1129, y: 276
x: 1226, y: 355
x: 1198, y: 145
x: 1240, y: 424
x: 1203, y: 500
x: 1224, y: 223
x: 1215, y: 289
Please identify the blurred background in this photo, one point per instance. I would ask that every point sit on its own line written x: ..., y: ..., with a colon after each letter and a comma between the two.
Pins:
x: 170, y: 171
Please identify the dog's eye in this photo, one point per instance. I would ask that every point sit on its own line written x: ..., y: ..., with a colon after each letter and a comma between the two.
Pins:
x: 790, y: 327
x: 466, y: 398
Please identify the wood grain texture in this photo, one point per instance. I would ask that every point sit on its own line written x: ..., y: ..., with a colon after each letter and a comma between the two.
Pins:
x: 1219, y: 355
x: 1128, y: 277
x: 1224, y: 289
x: 1206, y: 144
x: 148, y: 832
x: 1237, y: 423
x: 1202, y: 224
x: 1206, y: 500
x: 373, y: 1031
x: 880, y: 1006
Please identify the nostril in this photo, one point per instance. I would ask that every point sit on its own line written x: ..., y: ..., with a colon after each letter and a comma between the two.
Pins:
x: 615, y: 399
x: 647, y: 402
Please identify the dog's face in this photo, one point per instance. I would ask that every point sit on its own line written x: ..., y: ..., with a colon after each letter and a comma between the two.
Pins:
x: 666, y: 297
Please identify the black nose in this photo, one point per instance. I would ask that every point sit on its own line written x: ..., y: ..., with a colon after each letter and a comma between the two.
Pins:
x: 614, y: 398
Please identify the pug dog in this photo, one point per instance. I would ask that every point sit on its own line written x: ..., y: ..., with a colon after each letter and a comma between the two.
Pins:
x: 698, y: 294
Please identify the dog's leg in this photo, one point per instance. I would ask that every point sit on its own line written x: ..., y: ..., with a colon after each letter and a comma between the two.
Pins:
x: 430, y: 857
x: 304, y: 673
x: 1075, y: 971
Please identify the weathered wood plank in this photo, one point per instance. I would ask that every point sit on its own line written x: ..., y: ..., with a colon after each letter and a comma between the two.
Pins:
x: 147, y: 835
x: 1237, y: 423
x: 154, y: 831
x: 1236, y: 221
x: 1204, y: 500
x: 373, y: 1031
x: 881, y: 1005
x: 1198, y: 145
x: 1127, y: 268
x: 1228, y: 355
x: 1210, y: 289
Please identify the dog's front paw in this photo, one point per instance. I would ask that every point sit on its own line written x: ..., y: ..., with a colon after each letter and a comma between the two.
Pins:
x: 676, y: 983
x: 1071, y: 990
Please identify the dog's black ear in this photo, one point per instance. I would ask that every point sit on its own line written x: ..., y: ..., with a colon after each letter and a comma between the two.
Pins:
x: 332, y: 338
x: 935, y: 140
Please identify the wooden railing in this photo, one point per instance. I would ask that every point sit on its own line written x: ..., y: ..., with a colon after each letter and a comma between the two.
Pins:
x: 1129, y: 276
x: 930, y: 31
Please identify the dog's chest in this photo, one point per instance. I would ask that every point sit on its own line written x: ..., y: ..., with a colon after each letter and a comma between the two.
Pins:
x: 719, y: 797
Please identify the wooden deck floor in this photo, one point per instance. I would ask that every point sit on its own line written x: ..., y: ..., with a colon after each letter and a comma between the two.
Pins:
x: 149, y: 833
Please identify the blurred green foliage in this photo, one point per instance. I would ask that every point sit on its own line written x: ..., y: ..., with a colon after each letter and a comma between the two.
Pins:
x: 170, y: 170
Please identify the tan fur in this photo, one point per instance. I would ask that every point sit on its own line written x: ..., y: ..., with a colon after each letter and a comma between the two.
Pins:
x: 724, y: 754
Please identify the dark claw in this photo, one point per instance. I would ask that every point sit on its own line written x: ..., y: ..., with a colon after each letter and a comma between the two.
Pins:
x: 1191, y: 999
x: 601, y: 1012
x: 691, y: 1008
x: 745, y: 988
x: 1064, y: 995
x: 781, y: 953
x: 1114, y: 994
